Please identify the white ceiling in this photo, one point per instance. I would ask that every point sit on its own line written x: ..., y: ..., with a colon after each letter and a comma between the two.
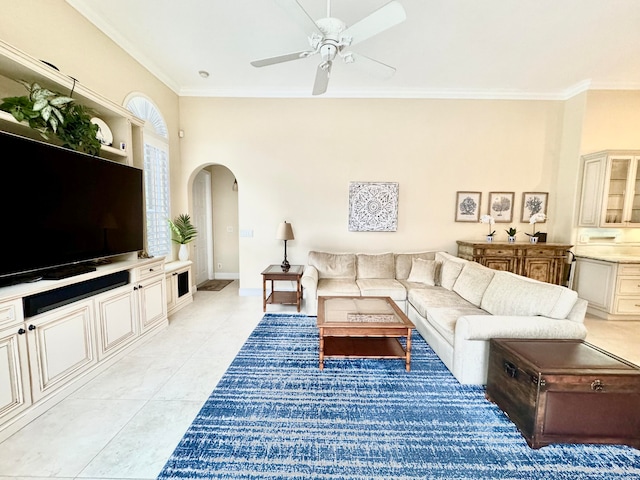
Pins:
x: 445, y: 49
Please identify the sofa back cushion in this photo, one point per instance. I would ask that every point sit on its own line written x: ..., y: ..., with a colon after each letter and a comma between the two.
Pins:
x: 450, y: 268
x: 472, y: 282
x: 334, y: 265
x: 510, y: 294
x: 424, y: 271
x: 404, y: 262
x: 375, y: 266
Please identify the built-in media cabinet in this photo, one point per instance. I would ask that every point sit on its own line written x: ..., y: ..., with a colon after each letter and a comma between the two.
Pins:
x: 178, y: 285
x: 55, y: 335
x: 126, y: 128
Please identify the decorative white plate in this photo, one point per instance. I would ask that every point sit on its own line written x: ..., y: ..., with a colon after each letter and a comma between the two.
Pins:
x: 104, y: 134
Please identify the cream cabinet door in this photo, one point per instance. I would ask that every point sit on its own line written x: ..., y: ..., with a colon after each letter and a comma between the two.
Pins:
x: 15, y: 388
x: 595, y: 281
x: 61, y: 346
x: 152, y: 302
x: 593, y: 173
x: 116, y: 320
x: 610, y: 194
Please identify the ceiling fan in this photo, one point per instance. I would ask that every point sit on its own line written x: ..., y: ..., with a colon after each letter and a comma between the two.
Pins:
x: 330, y: 37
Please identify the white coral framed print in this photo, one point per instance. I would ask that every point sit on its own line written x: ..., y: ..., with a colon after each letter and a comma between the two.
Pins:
x: 373, y: 206
x: 468, y: 206
x: 501, y: 206
x: 532, y: 203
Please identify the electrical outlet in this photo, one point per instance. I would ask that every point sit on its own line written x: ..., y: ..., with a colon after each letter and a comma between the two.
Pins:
x: 219, y: 266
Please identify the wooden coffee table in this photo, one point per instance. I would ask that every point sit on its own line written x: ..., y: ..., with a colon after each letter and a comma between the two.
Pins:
x: 363, y: 327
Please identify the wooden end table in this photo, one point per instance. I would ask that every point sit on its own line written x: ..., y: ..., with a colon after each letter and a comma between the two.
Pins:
x: 363, y: 327
x: 274, y: 273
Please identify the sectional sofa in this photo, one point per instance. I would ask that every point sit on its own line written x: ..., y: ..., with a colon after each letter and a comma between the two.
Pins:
x: 456, y: 305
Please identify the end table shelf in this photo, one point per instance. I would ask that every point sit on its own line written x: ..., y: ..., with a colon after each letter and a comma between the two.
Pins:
x: 274, y: 273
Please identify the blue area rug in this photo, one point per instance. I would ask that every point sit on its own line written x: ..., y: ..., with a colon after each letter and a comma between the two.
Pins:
x: 275, y: 415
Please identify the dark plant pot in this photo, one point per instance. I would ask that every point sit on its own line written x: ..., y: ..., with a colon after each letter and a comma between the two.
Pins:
x: 542, y: 237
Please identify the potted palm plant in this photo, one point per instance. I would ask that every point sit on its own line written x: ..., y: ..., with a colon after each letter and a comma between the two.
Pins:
x: 183, y: 233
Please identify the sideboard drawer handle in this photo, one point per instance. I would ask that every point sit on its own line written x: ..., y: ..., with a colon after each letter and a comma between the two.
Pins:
x: 597, y: 386
x: 510, y: 369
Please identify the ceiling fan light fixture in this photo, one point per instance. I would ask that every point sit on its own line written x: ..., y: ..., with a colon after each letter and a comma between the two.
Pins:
x: 331, y: 35
x: 328, y: 51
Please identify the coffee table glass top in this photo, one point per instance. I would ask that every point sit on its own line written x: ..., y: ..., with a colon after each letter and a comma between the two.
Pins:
x: 352, y: 310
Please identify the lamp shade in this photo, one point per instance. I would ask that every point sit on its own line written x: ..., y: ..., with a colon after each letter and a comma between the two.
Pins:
x: 285, y: 231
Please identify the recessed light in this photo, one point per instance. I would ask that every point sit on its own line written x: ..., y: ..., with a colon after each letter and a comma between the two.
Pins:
x: 203, y: 74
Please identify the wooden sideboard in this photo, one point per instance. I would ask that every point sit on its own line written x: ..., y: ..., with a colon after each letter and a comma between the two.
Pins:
x: 540, y: 261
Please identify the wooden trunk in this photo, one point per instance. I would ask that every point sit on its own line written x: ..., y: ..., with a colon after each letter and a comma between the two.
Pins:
x: 565, y: 391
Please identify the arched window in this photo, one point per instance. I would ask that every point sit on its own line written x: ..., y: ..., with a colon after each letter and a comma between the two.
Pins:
x: 156, y: 173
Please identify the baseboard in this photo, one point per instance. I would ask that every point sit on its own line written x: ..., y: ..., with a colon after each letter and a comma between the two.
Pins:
x: 226, y: 276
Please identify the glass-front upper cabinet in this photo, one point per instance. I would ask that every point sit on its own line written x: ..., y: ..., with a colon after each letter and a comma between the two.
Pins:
x: 610, y: 190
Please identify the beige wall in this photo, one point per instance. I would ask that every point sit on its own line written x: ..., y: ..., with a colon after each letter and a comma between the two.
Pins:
x: 294, y: 159
x: 225, y: 223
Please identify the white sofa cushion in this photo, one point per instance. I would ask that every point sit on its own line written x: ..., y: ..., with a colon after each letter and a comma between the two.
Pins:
x: 495, y: 326
x: 423, y: 271
x: 472, y: 282
x: 382, y: 287
x: 375, y: 266
x: 513, y: 295
x: 444, y: 319
x: 337, y: 286
x: 404, y: 262
x: 425, y: 298
x: 334, y: 265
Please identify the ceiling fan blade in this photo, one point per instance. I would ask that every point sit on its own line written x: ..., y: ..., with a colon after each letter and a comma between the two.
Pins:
x: 299, y: 15
x: 282, y: 58
x: 385, y: 17
x: 322, y: 78
x: 370, y: 66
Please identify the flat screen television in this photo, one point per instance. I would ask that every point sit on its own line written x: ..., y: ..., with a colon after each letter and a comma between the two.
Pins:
x: 60, y: 207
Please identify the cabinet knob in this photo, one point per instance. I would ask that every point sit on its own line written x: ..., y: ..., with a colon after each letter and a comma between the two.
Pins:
x: 21, y: 331
x: 597, y: 386
x: 32, y: 327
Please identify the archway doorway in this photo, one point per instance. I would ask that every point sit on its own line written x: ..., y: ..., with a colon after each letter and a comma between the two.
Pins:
x: 215, y: 211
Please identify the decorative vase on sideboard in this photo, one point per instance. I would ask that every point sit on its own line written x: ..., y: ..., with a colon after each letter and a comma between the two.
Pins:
x: 183, y: 253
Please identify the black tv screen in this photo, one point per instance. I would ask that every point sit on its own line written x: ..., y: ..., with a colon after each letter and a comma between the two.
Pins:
x: 61, y: 207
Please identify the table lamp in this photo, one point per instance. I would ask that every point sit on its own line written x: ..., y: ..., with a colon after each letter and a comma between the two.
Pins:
x: 285, y: 232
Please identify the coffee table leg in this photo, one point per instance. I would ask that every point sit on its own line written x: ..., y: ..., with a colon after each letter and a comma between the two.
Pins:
x: 321, y: 349
x: 408, y: 350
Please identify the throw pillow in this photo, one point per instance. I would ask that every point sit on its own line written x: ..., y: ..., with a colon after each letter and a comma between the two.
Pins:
x: 423, y: 271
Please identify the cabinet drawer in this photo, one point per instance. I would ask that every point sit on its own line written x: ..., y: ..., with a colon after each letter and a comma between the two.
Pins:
x: 496, y: 252
x: 629, y: 269
x: 627, y: 305
x: 149, y: 270
x: 544, y: 252
x: 628, y: 286
x: 10, y: 313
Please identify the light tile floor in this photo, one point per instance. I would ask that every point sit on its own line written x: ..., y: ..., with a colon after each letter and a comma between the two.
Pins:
x: 125, y: 423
